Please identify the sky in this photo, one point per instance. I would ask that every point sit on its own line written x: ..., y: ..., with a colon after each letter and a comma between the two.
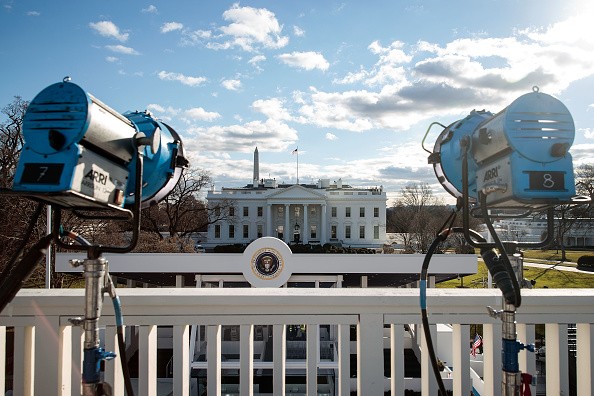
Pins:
x: 352, y: 84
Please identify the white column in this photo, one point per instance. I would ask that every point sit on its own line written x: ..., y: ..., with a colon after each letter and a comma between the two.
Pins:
x: 557, y: 359
x: 113, y: 369
x: 246, y: 360
x: 181, y: 360
x: 287, y: 228
x: 344, y: 360
x: 312, y: 347
x: 279, y: 352
x: 428, y: 380
x: 24, y: 360
x: 461, y: 336
x: 370, y: 350
x: 305, y: 234
x: 397, y: 358
x: 147, y: 360
x: 492, y: 359
x: 268, y: 221
x: 585, y: 352
x: 526, y: 359
x: 2, y: 360
x: 323, y: 222
x: 213, y: 357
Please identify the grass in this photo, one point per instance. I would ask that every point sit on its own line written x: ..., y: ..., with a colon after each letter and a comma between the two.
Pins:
x: 550, y: 278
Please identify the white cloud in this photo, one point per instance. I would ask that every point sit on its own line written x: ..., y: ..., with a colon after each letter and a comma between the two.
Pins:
x: 270, y: 135
x: 588, y: 132
x: 331, y: 136
x: 186, y: 80
x: 411, y: 84
x: 171, y: 26
x: 297, y: 31
x: 121, y: 49
x: 231, y: 85
x: 305, y: 60
x: 150, y: 10
x: 198, y: 113
x: 109, y: 29
x: 33, y: 13
x: 255, y: 61
x: 272, y: 108
x: 250, y: 28
x: 111, y: 59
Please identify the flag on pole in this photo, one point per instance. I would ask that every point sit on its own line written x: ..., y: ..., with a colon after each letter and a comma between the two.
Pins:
x: 478, y: 341
x: 295, y: 151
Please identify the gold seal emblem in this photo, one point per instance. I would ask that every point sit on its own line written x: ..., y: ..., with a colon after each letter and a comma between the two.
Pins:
x: 267, y: 263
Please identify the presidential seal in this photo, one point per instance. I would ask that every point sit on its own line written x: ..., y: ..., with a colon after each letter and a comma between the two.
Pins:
x: 267, y: 263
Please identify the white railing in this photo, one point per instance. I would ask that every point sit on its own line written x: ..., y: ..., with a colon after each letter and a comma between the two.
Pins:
x: 48, y: 348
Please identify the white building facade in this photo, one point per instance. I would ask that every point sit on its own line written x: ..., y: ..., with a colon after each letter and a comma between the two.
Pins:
x: 300, y: 213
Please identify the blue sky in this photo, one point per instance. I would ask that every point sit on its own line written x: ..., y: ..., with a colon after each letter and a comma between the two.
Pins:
x: 353, y: 84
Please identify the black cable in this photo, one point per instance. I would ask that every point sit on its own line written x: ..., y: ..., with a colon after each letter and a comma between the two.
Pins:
x: 498, y: 264
x: 425, y: 320
x: 423, y: 288
x: 11, y: 284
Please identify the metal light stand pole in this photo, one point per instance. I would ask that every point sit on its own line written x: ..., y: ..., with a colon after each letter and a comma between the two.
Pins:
x: 511, y: 376
x: 95, y: 271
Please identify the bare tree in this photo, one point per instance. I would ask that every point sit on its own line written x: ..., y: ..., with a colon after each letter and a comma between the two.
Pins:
x: 182, y: 213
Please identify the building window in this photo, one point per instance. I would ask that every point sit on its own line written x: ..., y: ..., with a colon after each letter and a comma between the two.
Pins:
x: 333, y: 211
x: 259, y: 230
x: 347, y: 212
x: 362, y: 232
x: 281, y: 210
x: 246, y: 231
x: 297, y: 211
x: 376, y: 232
x: 312, y: 210
x: 347, y: 232
x: 217, y: 230
x: 231, y: 211
x: 362, y: 212
x: 217, y: 211
x: 231, y: 231
x: 280, y: 232
x: 313, y: 232
x: 333, y: 232
x: 246, y: 211
x: 260, y: 211
x: 375, y: 212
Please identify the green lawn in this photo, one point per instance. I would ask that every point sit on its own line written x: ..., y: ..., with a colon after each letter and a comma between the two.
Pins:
x: 549, y: 278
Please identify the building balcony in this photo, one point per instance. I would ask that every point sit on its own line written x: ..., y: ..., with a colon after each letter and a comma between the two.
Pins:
x: 369, y: 324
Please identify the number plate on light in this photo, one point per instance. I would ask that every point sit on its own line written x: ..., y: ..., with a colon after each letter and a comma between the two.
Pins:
x: 42, y: 173
x: 546, y: 181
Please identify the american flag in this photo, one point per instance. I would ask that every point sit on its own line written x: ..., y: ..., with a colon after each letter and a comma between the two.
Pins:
x: 295, y: 151
x: 478, y: 341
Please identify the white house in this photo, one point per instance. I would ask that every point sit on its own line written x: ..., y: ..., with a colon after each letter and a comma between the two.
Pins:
x: 300, y: 213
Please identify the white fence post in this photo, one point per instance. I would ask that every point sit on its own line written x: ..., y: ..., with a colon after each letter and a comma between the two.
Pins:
x: 557, y: 359
x: 370, y: 354
x: 312, y: 353
x: 147, y: 360
x: 397, y: 359
x: 492, y: 364
x: 181, y: 360
x: 462, y: 384
x: 344, y: 360
x: 279, y: 352
x: 246, y: 359
x: 213, y: 358
x: 3, y: 360
x: 585, y: 352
